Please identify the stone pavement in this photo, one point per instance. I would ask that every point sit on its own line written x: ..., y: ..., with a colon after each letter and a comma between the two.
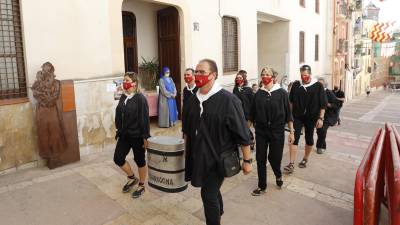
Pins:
x: 89, y: 192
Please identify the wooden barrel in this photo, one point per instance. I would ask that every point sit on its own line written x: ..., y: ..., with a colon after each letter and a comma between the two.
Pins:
x: 166, y: 163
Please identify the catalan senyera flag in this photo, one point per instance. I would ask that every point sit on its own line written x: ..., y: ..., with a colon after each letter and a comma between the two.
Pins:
x: 382, y: 31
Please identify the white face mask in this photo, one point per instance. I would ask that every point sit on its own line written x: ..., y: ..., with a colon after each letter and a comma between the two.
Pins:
x: 166, y: 74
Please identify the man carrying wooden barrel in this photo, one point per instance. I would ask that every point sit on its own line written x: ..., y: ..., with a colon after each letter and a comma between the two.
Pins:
x: 214, y: 124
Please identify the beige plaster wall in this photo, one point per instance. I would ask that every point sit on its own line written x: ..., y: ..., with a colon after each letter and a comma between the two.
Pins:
x: 18, y: 144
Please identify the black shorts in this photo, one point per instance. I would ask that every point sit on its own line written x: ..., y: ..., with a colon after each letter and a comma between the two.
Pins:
x: 308, y: 125
x: 123, y: 147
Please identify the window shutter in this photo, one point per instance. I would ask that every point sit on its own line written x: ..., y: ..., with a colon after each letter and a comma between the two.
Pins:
x: 230, y: 44
x: 317, y: 6
x: 12, y: 66
x: 301, y: 47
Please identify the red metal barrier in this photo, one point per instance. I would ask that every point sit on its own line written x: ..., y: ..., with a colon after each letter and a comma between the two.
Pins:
x: 392, y: 174
x: 375, y: 184
x: 361, y: 175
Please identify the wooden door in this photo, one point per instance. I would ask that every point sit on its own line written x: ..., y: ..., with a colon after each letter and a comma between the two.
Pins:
x: 169, y: 46
x: 130, y: 42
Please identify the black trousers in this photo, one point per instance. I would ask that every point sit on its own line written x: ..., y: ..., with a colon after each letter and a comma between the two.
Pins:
x: 124, y: 145
x: 274, y: 142
x: 309, y: 125
x: 321, y: 132
x: 212, y: 198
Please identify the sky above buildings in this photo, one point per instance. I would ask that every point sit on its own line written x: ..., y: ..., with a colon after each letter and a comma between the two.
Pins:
x: 389, y: 10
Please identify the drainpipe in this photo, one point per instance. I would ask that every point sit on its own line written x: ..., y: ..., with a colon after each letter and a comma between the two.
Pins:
x: 334, y: 43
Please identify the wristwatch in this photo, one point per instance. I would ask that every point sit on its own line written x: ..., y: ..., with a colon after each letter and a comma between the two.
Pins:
x: 248, y: 161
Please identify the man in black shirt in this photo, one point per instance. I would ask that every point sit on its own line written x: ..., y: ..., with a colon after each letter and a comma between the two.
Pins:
x: 341, y: 97
x: 213, y: 123
x: 308, y: 102
x: 330, y: 119
x: 190, y: 89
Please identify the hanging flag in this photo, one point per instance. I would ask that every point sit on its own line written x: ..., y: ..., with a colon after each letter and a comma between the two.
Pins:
x: 382, y: 32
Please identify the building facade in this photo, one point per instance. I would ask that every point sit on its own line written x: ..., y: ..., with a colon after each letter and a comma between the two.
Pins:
x: 94, y: 42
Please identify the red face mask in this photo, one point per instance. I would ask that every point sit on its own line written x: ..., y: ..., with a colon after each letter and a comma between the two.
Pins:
x: 266, y: 80
x: 239, y: 81
x: 188, y: 79
x: 127, y: 85
x: 305, y: 78
x: 201, y: 80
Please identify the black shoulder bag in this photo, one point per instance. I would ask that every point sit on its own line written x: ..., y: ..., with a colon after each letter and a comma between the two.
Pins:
x: 228, y: 162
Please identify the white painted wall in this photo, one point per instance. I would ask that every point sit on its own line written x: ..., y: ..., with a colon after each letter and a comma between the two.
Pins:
x: 207, y: 42
x: 74, y: 35
x: 273, y: 46
x: 83, y: 39
x: 305, y: 19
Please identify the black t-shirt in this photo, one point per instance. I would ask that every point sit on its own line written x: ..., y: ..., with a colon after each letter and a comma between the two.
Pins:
x: 331, y: 113
x: 339, y: 94
x: 245, y: 94
x: 270, y: 111
x: 307, y: 101
x: 224, y: 123
x: 132, y: 118
x: 187, y: 93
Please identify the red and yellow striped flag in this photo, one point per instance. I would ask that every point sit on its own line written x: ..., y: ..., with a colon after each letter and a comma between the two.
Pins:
x: 382, y: 32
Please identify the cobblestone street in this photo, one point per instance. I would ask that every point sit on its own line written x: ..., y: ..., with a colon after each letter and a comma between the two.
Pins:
x: 89, y: 192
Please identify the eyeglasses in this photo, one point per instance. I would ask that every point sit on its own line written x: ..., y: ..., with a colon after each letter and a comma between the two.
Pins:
x: 201, y: 72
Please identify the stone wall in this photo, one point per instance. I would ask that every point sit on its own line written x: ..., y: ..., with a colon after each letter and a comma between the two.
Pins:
x: 95, y: 110
x: 18, y: 137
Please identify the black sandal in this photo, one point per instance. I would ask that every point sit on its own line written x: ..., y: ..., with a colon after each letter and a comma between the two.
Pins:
x: 279, y: 182
x: 303, y: 163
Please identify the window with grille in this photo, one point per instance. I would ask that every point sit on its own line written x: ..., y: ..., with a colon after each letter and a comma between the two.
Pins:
x: 303, y: 3
x: 317, y: 6
x: 12, y: 68
x: 301, y: 47
x: 230, y: 44
x: 316, y: 58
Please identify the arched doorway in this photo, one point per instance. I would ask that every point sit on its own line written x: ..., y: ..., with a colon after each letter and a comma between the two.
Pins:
x: 169, y: 45
x: 152, y: 33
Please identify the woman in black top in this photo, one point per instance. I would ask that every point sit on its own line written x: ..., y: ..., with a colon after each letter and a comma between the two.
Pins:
x: 270, y: 112
x: 133, y: 130
x: 245, y: 94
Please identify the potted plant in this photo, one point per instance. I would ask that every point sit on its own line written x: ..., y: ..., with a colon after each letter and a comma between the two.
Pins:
x: 148, y: 70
